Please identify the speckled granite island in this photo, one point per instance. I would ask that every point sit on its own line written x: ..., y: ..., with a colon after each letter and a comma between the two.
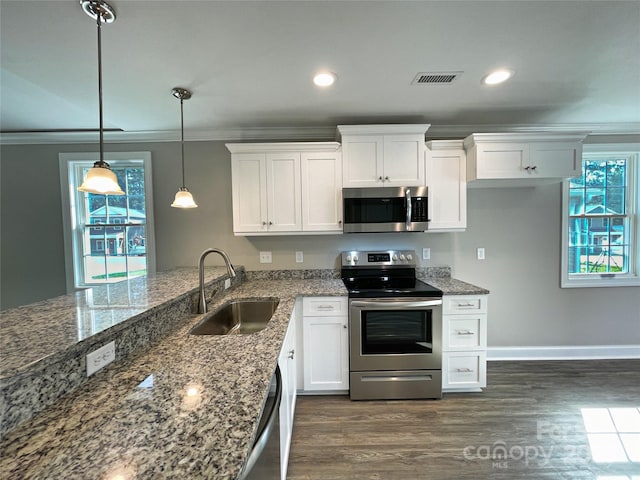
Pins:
x: 185, y: 408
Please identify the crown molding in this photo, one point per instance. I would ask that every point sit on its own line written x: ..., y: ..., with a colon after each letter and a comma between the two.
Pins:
x: 320, y: 133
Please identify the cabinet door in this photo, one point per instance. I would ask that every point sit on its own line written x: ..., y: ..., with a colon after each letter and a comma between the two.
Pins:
x: 464, y: 370
x: 555, y: 160
x: 326, y: 353
x: 362, y: 160
x: 321, y: 191
x: 287, y: 364
x: 464, y: 332
x: 447, y: 181
x: 249, y: 186
x: 283, y: 192
x: 502, y: 160
x: 403, y: 160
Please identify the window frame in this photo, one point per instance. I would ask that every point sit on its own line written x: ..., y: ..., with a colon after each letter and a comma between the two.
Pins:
x: 632, y: 278
x: 73, y: 257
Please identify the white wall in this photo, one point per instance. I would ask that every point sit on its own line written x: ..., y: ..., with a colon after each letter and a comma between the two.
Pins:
x: 519, y: 228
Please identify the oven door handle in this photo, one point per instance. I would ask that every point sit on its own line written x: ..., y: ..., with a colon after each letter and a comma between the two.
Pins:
x: 395, y: 304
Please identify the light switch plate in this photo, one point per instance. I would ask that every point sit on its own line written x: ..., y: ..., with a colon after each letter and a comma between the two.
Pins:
x: 480, y: 253
x: 265, y: 257
x: 426, y: 253
x: 100, y: 358
x: 299, y: 257
x: 227, y: 283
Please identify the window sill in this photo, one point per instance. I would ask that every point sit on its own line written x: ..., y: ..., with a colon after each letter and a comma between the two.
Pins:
x: 616, y: 281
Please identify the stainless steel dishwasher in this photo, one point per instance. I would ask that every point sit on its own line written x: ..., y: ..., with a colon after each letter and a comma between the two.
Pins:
x: 264, y: 460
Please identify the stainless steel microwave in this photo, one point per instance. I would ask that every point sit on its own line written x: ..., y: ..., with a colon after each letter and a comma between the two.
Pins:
x: 385, y: 209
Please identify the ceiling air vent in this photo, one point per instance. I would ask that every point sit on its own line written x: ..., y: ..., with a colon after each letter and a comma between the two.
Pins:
x: 435, y: 78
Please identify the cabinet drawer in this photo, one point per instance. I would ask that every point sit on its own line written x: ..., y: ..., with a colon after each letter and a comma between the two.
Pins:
x: 464, y: 304
x: 464, y: 332
x: 464, y: 370
x: 324, y: 306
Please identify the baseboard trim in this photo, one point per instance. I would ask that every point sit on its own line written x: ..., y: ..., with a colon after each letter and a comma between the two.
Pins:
x: 583, y: 352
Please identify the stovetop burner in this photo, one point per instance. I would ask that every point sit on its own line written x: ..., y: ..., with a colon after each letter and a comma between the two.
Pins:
x: 388, y: 273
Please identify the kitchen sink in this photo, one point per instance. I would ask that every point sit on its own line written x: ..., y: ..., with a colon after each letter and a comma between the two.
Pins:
x: 243, y: 316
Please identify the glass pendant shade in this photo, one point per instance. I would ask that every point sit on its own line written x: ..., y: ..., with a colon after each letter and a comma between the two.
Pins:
x: 101, y: 179
x: 184, y: 199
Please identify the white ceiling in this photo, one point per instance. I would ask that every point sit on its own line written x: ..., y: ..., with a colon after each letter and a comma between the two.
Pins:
x: 249, y: 65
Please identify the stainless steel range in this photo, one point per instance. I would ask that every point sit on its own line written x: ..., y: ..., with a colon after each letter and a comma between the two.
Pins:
x: 395, y: 327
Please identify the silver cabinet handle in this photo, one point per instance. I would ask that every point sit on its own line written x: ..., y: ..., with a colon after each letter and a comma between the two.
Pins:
x: 464, y: 305
x: 325, y: 307
x: 380, y: 178
x: 344, y: 326
x: 264, y: 224
x: 534, y: 167
x: 270, y: 223
x: 291, y: 354
x: 386, y: 179
x: 464, y: 370
x: 465, y: 332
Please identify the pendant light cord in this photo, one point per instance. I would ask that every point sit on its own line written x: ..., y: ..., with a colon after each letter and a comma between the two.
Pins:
x: 182, y: 139
x: 99, y: 19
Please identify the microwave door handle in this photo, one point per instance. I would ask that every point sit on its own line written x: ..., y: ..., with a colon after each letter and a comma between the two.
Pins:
x: 408, y: 195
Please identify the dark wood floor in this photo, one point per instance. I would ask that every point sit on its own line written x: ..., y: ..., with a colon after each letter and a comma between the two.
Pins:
x: 527, y: 424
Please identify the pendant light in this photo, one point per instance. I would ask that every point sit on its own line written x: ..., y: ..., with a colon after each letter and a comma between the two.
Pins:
x: 100, y: 178
x: 183, y: 199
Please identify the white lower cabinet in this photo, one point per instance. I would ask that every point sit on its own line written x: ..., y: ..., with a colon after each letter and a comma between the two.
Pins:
x: 464, y: 342
x: 287, y: 362
x: 325, y: 334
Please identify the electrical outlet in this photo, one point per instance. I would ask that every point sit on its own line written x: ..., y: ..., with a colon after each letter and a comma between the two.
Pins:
x: 265, y: 257
x: 100, y: 358
x: 227, y: 283
x: 426, y: 253
x: 480, y: 253
x: 299, y: 257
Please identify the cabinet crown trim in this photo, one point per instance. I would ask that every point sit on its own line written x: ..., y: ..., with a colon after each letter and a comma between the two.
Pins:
x: 475, y: 138
x: 390, y: 129
x: 282, y: 147
x: 445, y: 144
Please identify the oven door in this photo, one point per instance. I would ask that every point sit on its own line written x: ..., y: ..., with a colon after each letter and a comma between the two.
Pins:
x: 395, y: 334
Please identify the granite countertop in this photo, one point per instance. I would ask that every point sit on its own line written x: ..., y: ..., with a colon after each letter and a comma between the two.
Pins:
x: 185, y: 408
x: 451, y: 286
x: 57, y: 324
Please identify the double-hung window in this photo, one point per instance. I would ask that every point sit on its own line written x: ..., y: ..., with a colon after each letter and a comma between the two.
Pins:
x: 108, y: 238
x: 600, y: 228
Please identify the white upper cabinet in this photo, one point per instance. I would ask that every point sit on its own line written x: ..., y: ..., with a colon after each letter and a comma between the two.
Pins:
x: 382, y: 155
x: 446, y: 170
x: 322, y: 191
x: 522, y: 159
x: 272, y: 192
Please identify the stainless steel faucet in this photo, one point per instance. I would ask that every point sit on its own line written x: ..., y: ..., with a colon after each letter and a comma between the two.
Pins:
x: 202, y: 304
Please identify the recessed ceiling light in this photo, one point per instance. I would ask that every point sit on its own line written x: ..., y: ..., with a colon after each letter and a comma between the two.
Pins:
x: 497, y: 76
x: 324, y: 79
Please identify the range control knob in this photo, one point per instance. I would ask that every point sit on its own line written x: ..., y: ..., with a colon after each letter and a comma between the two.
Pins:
x: 355, y: 259
x: 348, y: 258
x: 395, y: 257
x: 402, y: 257
x: 409, y: 257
